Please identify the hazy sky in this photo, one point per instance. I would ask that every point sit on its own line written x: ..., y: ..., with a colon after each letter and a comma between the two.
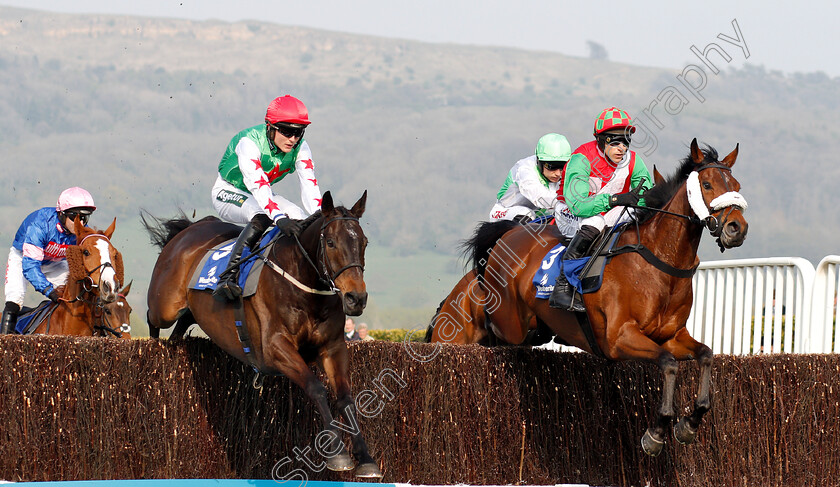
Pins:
x: 797, y: 36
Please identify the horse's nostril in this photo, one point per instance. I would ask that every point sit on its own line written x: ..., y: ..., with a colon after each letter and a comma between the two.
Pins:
x: 733, y: 228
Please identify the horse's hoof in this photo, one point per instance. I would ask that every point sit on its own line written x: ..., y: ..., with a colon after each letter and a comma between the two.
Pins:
x: 684, y: 433
x: 368, y: 471
x: 651, y: 445
x: 340, y: 463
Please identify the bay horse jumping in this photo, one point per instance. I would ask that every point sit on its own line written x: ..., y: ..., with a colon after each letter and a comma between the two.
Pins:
x: 296, y: 318
x: 640, y: 310
x: 92, y: 303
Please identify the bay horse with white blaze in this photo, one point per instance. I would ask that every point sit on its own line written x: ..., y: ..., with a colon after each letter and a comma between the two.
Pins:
x: 640, y: 310
x: 295, y: 318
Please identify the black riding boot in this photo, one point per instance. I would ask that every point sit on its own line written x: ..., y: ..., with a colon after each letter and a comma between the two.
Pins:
x: 564, y: 293
x: 10, y: 314
x: 228, y: 287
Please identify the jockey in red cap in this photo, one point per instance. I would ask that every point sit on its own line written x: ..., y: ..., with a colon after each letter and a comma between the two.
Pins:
x: 598, y: 184
x: 256, y: 158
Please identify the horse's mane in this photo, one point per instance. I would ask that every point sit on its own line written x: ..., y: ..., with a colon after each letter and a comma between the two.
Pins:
x: 306, y: 222
x: 659, y: 195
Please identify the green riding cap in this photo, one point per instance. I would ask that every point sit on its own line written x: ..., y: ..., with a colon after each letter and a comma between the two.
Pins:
x: 553, y: 147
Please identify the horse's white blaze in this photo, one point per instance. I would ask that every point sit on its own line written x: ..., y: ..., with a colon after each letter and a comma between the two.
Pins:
x: 107, y: 272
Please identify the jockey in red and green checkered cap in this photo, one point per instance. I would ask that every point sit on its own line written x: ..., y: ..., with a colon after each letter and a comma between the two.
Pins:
x: 601, y: 179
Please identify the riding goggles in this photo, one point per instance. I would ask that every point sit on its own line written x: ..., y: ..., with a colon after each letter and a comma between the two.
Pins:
x: 616, y: 140
x: 554, y: 165
x: 83, y: 215
x: 289, y: 131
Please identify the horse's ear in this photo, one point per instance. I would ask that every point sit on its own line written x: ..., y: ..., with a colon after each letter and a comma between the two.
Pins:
x: 730, y: 159
x: 657, y: 177
x: 327, y: 203
x: 110, y: 230
x: 79, y: 230
x: 359, y: 207
x: 696, y: 154
x: 124, y: 291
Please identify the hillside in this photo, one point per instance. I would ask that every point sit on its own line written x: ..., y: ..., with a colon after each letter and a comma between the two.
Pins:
x: 139, y: 110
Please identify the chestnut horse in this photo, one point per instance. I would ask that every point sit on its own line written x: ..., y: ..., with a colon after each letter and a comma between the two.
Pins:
x: 460, y: 320
x: 640, y: 310
x: 296, y: 317
x: 91, y: 304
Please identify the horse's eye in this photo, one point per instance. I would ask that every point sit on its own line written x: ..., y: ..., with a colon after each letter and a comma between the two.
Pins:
x: 86, y: 252
x: 706, y: 185
x: 330, y: 243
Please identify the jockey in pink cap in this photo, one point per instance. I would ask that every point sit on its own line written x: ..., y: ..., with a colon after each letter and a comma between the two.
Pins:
x: 38, y: 252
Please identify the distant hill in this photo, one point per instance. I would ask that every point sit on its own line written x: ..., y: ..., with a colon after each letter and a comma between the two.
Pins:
x: 139, y: 110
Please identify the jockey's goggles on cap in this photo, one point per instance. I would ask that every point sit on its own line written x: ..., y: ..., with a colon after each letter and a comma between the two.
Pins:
x: 554, y: 165
x: 289, y: 130
x: 614, y: 140
x: 83, y: 214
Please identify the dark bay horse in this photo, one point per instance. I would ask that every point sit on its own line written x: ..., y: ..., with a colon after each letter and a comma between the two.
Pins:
x: 92, y: 303
x: 640, y: 311
x: 296, y: 318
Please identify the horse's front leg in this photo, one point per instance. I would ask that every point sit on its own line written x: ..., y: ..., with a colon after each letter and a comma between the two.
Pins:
x: 285, y: 357
x: 633, y: 344
x: 684, y: 347
x: 335, y: 364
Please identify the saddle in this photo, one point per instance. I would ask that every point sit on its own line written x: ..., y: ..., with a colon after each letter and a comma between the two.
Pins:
x: 215, y: 260
x: 31, y: 318
x: 592, y: 267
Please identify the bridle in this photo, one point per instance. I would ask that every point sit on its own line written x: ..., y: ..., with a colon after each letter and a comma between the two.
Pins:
x: 324, y: 270
x: 702, y: 215
x: 705, y: 214
x: 103, y: 314
x: 86, y: 284
x: 727, y: 201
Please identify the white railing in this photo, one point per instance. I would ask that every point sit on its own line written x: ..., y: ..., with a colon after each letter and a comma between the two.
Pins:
x: 823, y: 332
x: 753, y: 306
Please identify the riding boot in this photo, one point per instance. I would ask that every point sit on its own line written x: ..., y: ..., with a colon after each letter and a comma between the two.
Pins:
x: 9, y: 320
x: 228, y: 288
x: 564, y: 294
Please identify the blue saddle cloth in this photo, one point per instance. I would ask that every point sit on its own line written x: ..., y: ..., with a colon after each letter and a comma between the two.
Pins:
x: 553, y: 263
x: 216, y: 261
x: 549, y: 270
x: 28, y: 321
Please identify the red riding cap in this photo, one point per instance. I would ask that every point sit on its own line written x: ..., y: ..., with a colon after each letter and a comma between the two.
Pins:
x: 613, y: 118
x: 287, y: 109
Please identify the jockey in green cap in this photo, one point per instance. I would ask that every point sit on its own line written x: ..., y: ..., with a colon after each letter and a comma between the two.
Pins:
x: 530, y: 189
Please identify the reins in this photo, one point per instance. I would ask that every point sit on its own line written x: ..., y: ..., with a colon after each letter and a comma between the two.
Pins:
x: 702, y: 215
x: 326, y: 276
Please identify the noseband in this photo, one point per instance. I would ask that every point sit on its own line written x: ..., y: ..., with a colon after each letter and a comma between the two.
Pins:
x: 727, y: 201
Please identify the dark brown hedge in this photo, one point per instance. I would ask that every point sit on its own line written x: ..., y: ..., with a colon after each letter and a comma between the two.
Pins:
x: 73, y: 409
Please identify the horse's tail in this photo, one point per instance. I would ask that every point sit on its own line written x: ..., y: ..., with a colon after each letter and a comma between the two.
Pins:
x: 161, y: 230
x: 431, y: 329
x: 478, y: 247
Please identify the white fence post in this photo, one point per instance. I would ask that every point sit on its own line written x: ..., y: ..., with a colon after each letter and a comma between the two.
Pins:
x: 756, y: 305
x: 823, y: 335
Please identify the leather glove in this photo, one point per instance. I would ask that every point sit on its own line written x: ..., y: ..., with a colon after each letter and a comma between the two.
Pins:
x: 288, y: 227
x: 54, y: 296
x: 624, y: 199
x: 629, y: 198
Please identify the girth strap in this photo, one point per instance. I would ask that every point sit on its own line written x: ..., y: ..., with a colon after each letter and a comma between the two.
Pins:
x: 242, y: 333
x: 654, y: 260
x: 586, y: 328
